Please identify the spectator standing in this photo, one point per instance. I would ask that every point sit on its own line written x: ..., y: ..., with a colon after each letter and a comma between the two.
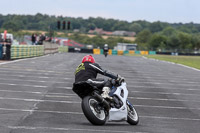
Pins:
x: 33, y: 39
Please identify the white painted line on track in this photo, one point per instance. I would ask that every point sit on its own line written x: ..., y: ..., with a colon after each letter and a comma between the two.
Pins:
x: 155, y: 87
x: 38, y: 77
x: 170, y: 118
x: 161, y: 82
x: 75, y: 102
x: 40, y: 81
x: 21, y: 76
x: 165, y: 93
x: 70, y: 129
x: 14, y: 91
x: 80, y: 113
x: 59, y: 96
x: 36, y: 86
x: 41, y: 111
x: 18, y: 60
x: 170, y: 84
x: 172, y: 79
x: 34, y: 70
x: 166, y: 107
x: 67, y: 88
x: 46, y: 94
x: 27, y: 71
x: 38, y: 100
x: 162, y: 99
x: 38, y: 92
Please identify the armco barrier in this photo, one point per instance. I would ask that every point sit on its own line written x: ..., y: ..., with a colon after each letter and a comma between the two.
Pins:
x: 110, y: 52
x: 131, y: 52
x: 96, y: 51
x: 120, y: 52
x: 1, y: 51
x: 126, y: 52
x: 25, y: 51
x: 114, y: 52
x: 152, y: 52
x: 137, y: 52
x: 101, y: 51
x: 144, y: 52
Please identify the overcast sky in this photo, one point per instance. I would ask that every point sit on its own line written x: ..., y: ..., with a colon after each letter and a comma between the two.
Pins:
x: 173, y: 11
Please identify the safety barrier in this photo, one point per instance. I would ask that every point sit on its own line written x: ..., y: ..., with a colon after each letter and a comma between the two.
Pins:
x: 114, y: 52
x: 126, y: 52
x: 152, y: 52
x: 144, y: 52
x: 63, y: 49
x: 137, y: 52
x: 96, y: 51
x: 121, y: 52
x: 131, y: 52
x: 1, y: 51
x: 50, y: 48
x: 25, y: 51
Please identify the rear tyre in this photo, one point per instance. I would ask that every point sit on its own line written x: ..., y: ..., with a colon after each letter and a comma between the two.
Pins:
x: 132, y: 118
x: 93, y: 111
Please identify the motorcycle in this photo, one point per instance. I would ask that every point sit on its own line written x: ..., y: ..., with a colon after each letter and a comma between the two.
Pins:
x: 105, y: 53
x: 99, y: 110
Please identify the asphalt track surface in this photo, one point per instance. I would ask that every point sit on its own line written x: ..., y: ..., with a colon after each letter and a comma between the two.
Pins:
x: 36, y: 96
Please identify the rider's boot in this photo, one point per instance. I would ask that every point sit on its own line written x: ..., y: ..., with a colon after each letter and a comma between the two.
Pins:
x: 105, y: 93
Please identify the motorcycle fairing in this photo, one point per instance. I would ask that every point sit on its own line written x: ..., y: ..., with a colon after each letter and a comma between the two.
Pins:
x: 121, y: 113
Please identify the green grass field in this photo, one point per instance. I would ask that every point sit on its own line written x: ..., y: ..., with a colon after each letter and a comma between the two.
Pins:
x: 192, y: 61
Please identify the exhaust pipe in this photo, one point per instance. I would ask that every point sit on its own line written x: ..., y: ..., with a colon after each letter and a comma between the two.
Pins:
x: 101, y: 100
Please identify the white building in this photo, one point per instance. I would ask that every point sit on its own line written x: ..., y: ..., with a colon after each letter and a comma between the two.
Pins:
x: 125, y: 46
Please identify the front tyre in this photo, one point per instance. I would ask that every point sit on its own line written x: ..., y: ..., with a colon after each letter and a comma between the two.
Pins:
x: 93, y: 111
x: 132, y: 117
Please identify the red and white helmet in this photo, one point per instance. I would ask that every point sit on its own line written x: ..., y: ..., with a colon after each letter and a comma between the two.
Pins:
x: 88, y: 58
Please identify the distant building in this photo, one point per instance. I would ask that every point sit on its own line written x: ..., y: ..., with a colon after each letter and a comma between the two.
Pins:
x: 76, y: 30
x: 100, y: 31
x: 96, y: 31
x: 107, y: 33
x: 125, y: 46
x: 124, y: 33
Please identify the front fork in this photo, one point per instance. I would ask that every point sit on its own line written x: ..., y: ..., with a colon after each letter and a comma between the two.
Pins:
x: 129, y: 104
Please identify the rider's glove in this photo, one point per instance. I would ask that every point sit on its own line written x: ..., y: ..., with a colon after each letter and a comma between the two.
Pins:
x: 119, y: 79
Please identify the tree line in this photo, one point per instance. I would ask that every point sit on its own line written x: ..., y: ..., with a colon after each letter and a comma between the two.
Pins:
x: 149, y: 35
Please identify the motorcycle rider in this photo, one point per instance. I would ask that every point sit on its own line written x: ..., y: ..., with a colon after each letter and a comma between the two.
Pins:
x: 88, y: 70
x: 105, y: 48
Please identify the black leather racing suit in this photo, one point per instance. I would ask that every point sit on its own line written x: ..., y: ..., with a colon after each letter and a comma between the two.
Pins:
x: 88, y: 72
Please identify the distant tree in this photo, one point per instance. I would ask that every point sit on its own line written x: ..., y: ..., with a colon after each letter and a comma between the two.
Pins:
x: 157, y: 41
x: 135, y: 27
x: 142, y: 39
x: 144, y: 36
x: 157, y: 26
x: 185, y: 39
x: 196, y: 42
x: 91, y: 26
x: 173, y: 42
x: 169, y: 31
x: 11, y: 25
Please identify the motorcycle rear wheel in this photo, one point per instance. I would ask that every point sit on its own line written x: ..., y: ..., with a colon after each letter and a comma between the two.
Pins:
x: 93, y: 111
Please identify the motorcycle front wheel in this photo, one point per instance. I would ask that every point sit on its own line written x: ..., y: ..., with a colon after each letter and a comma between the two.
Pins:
x: 132, y: 117
x: 93, y: 111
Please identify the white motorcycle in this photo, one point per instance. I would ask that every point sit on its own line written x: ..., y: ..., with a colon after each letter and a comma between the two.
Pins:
x: 99, y: 110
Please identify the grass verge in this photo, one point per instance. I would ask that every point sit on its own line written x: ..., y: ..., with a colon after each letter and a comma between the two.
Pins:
x: 192, y: 61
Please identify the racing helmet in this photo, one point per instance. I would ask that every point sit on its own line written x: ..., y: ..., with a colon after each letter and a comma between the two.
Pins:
x: 88, y: 58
